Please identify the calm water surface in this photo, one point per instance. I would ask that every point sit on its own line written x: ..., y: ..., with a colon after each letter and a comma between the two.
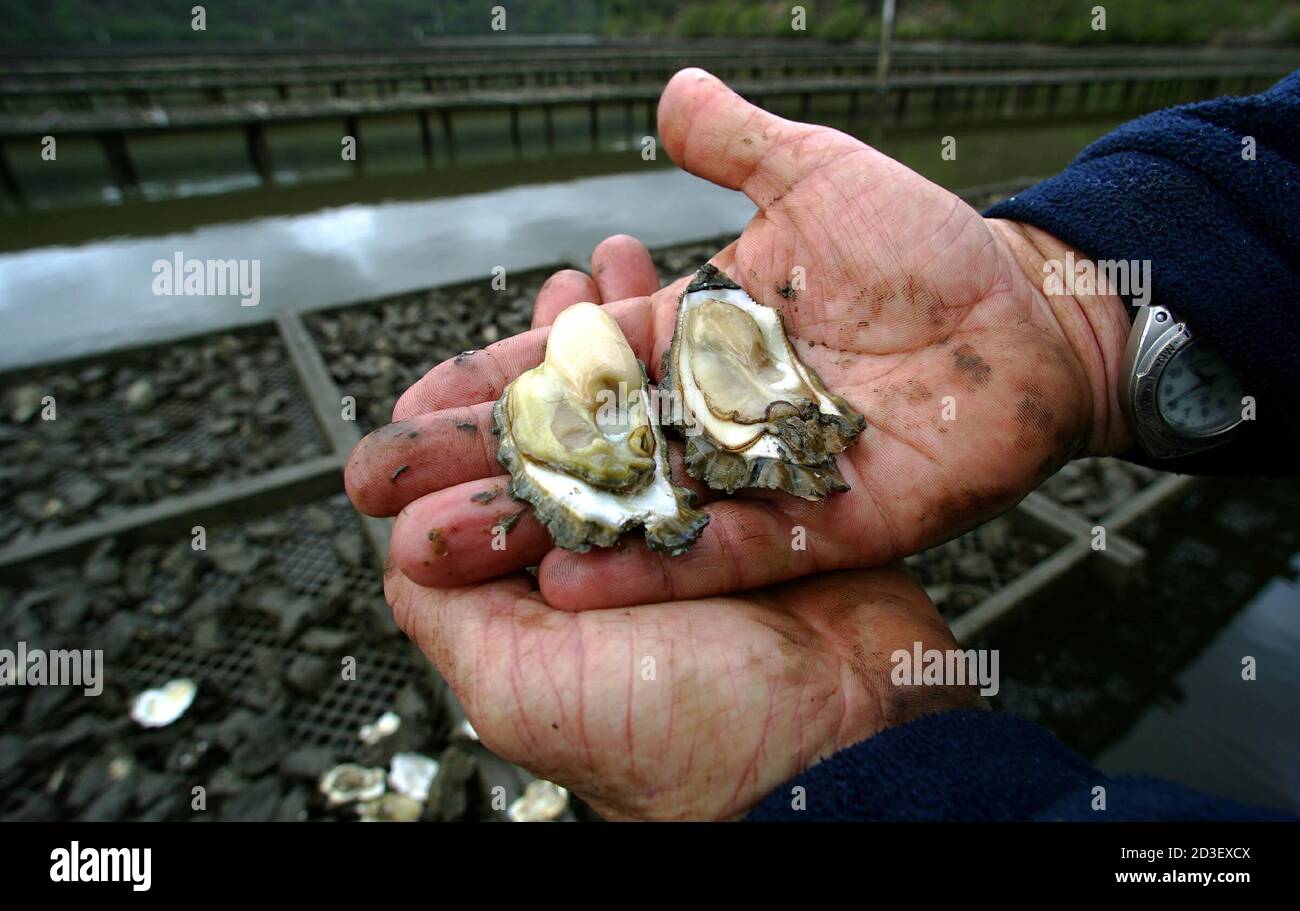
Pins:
x: 78, y: 279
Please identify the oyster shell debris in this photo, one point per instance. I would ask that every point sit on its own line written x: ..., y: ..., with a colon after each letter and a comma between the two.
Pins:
x: 542, y: 801
x: 579, y: 437
x: 159, y: 707
x: 349, y: 782
x: 755, y: 414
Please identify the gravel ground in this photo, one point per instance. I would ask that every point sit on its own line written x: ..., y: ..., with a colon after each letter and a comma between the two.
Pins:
x: 1096, y: 487
x: 375, y: 351
x: 1089, y: 665
x: 964, y: 571
x: 262, y: 621
x: 673, y: 263
x: 137, y: 428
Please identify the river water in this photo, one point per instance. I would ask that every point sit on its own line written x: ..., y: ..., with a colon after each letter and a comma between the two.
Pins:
x: 78, y: 279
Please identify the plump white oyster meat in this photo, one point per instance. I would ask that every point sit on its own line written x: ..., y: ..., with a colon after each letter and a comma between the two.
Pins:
x: 577, y: 436
x: 755, y: 414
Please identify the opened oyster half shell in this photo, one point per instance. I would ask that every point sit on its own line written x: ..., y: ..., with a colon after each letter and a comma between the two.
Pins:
x: 579, y: 438
x: 754, y: 415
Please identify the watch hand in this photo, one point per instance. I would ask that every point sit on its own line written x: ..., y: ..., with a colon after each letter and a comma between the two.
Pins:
x: 1182, y: 395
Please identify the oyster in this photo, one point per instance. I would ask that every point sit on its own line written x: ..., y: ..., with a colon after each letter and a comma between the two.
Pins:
x: 755, y: 415
x: 160, y: 707
x: 350, y: 782
x: 578, y: 437
x: 542, y: 801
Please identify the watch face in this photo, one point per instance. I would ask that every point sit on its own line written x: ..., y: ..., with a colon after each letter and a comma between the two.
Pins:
x: 1197, y: 394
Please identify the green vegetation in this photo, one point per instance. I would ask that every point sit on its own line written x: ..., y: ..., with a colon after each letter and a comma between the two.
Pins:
x: 73, y: 23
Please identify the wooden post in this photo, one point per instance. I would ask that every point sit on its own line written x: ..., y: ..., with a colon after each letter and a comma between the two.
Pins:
x: 853, y: 107
x: 448, y: 133
x: 215, y: 94
x: 259, y: 152
x: 353, y: 128
x: 515, y: 140
x: 627, y: 120
x: 593, y: 116
x: 282, y: 90
x: 119, y: 162
x: 886, y: 32
x: 426, y: 139
x: 805, y: 106
x: 900, y: 111
x: 10, y: 180
x: 548, y: 117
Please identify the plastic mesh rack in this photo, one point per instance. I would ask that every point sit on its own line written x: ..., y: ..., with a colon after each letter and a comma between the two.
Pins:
x: 174, y: 437
x: 307, y: 565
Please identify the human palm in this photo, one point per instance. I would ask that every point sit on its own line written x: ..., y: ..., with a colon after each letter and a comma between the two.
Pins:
x: 690, y: 710
x: 919, y: 312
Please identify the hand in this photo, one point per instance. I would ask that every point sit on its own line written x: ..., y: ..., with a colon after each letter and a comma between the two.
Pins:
x: 691, y: 710
x: 926, y: 317
x: 673, y: 711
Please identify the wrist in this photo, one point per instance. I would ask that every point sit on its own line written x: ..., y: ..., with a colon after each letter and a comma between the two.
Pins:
x: 1095, y: 326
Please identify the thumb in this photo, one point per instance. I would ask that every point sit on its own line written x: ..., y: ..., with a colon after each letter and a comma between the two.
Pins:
x: 710, y: 131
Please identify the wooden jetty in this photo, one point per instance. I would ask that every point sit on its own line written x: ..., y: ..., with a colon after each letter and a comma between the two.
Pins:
x: 1005, y: 93
x: 145, y: 82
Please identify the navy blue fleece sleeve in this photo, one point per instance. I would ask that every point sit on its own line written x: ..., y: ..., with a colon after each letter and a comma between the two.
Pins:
x: 1222, y: 233
x: 973, y: 765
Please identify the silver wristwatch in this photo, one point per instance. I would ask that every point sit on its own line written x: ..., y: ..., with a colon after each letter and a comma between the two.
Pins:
x: 1181, y: 396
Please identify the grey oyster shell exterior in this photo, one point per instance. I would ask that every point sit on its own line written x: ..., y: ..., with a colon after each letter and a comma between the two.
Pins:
x: 807, y: 441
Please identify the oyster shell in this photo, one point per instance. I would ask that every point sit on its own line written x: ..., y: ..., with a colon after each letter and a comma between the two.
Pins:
x: 578, y: 438
x: 755, y: 415
x: 158, y: 708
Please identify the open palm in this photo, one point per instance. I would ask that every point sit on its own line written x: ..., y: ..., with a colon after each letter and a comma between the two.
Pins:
x: 975, y: 386
x: 691, y: 710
